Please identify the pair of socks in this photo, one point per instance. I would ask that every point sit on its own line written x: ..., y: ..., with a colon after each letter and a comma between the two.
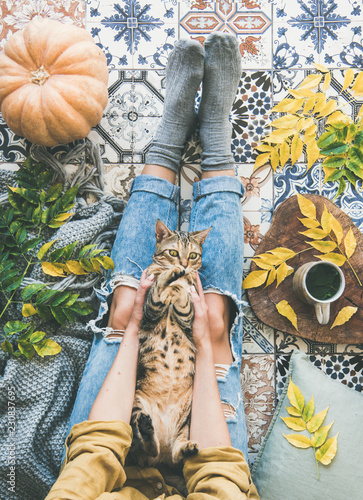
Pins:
x: 218, y: 67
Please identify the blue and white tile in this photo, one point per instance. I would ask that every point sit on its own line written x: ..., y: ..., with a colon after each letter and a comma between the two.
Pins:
x: 296, y: 179
x: 13, y: 148
x: 257, y: 337
x: 144, y: 129
x: 249, y: 114
x: 118, y: 52
x: 346, y: 369
x: 134, y: 30
x: 350, y: 201
x: 314, y: 28
x: 115, y: 131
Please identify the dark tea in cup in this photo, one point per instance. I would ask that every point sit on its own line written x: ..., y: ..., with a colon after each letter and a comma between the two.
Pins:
x: 323, y: 281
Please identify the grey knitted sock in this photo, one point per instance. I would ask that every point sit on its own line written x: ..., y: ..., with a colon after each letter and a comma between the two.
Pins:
x: 222, y: 72
x: 184, y: 73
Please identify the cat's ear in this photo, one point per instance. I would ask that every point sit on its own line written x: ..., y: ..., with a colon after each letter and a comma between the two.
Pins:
x: 200, y: 236
x: 161, y: 231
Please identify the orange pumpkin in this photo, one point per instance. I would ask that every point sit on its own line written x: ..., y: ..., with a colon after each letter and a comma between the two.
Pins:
x: 53, y: 82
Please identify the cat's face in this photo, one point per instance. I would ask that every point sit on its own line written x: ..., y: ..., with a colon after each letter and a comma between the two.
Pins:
x: 178, y: 248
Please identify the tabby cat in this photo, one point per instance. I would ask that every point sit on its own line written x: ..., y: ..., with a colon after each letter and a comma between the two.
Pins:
x: 161, y: 413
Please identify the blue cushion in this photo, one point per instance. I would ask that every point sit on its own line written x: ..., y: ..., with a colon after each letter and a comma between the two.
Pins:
x: 283, y: 472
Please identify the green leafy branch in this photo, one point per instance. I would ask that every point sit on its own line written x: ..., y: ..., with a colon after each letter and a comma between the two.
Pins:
x: 35, y: 208
x: 327, y: 237
x: 340, y: 146
x: 302, y: 418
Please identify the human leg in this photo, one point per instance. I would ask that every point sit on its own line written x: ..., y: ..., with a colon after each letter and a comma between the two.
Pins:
x: 153, y: 196
x: 217, y: 203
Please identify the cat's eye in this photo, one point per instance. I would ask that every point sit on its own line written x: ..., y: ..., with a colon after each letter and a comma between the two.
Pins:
x: 173, y: 253
x: 193, y: 255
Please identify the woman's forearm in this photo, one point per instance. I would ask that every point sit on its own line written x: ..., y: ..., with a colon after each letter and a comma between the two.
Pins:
x: 208, y: 426
x: 116, y: 396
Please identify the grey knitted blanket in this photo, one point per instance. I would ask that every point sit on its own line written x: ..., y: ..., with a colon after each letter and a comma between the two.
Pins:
x: 37, y: 396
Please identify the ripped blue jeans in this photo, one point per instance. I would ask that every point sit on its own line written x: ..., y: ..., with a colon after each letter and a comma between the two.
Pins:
x: 216, y: 203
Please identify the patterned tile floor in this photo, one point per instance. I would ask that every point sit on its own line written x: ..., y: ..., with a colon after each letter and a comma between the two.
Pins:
x: 279, y: 42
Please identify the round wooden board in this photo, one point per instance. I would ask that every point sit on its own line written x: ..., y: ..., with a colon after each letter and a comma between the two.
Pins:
x: 285, y: 232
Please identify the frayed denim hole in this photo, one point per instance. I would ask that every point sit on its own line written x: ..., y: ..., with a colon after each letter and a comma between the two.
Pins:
x: 229, y: 411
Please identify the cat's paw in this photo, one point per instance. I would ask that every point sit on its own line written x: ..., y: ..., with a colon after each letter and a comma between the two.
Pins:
x: 145, y: 425
x: 190, y: 448
x: 172, y: 275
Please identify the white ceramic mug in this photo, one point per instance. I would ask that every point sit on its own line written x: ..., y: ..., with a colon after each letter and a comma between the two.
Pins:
x: 322, y: 307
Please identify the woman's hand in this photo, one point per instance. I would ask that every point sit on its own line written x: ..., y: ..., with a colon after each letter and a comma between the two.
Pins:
x: 201, y: 332
x: 137, y: 311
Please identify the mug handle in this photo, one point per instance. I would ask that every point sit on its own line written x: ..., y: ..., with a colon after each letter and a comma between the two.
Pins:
x: 322, y: 312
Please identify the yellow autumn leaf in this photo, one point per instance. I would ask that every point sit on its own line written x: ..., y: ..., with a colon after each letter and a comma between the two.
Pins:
x: 268, y: 258
x: 275, y: 160
x: 277, y: 136
x: 323, y: 246
x: 311, y: 131
x: 271, y: 277
x: 284, y: 308
x: 336, y: 258
x: 313, y: 153
x: 310, y: 103
x: 306, y: 206
x: 284, y: 106
x: 326, y: 220
x: 327, y: 81
x: 301, y: 93
x: 296, y: 424
x: 296, y: 148
x: 350, y: 243
x: 255, y: 279
x: 315, y: 234
x: 295, y: 396
x: 329, y: 107
x: 316, y: 421
x: 283, y: 271
x: 321, y: 67
x: 320, y: 102
x: 310, y: 82
x: 74, y: 267
x: 44, y: 249
x: 261, y: 264
x: 53, y: 269
x: 344, y: 315
x: 297, y: 105
x: 357, y: 88
x: 283, y: 253
x: 337, y: 116
x: 293, y: 411
x: 62, y: 217
x: 262, y: 159
x: 337, y: 229
x: 286, y: 121
x: 309, y: 410
x: 327, y: 172
x: 284, y: 153
x: 348, y: 79
x: 264, y: 148
x: 327, y: 452
x: 306, y: 123
x: 298, y: 440
x: 310, y: 223
x: 28, y: 310
x: 319, y: 437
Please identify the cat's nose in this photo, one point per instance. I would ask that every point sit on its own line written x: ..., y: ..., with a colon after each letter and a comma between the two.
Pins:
x: 184, y: 263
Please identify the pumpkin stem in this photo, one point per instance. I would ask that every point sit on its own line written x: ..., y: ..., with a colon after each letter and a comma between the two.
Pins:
x: 39, y: 76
